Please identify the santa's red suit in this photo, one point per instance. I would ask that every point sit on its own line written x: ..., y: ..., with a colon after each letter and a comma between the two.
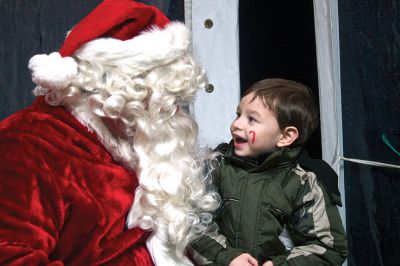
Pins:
x: 112, y: 97
x: 63, y: 200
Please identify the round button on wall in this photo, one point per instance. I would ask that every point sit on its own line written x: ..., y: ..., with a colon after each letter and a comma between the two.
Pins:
x: 209, y: 88
x: 208, y: 23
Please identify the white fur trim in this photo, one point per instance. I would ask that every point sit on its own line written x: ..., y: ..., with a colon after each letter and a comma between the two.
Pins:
x: 52, y: 71
x: 150, y: 49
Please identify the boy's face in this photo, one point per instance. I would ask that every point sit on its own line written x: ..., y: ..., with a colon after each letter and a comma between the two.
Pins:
x: 255, y: 130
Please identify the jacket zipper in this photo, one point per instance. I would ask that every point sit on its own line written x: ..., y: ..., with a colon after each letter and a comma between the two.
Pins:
x: 277, y: 210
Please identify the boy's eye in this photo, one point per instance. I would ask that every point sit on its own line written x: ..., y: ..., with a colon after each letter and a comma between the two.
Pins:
x: 237, y: 114
x: 252, y: 119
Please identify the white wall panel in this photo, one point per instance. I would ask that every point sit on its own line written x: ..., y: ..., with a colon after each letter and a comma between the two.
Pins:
x: 217, y: 49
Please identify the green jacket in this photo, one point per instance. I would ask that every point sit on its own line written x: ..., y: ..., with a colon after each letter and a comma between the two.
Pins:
x: 259, y: 200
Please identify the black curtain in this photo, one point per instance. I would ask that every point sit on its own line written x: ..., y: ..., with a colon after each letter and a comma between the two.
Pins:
x: 370, y: 80
x: 29, y: 27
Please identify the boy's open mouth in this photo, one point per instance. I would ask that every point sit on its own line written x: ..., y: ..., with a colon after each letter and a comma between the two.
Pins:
x: 240, y: 140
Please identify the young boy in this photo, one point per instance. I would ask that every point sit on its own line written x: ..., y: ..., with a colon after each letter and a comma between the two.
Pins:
x: 269, y: 186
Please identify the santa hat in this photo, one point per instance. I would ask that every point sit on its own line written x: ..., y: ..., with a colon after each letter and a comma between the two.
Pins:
x: 129, y: 34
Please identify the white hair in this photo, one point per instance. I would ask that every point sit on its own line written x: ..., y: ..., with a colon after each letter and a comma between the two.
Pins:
x: 157, y: 139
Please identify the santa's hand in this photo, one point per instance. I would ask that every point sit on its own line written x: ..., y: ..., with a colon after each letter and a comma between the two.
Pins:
x: 244, y: 260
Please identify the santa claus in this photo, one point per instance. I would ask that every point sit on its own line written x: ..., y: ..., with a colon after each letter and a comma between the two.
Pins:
x: 105, y: 159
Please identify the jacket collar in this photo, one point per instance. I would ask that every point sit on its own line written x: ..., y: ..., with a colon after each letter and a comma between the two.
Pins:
x: 280, y: 158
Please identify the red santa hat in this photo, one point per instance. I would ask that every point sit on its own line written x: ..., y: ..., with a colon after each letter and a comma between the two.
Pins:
x: 129, y: 34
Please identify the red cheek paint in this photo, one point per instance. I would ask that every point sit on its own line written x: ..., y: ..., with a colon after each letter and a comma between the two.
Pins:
x: 254, y: 136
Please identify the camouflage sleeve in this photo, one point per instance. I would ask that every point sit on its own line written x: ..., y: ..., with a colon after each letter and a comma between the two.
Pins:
x: 211, y: 249
x: 315, y: 227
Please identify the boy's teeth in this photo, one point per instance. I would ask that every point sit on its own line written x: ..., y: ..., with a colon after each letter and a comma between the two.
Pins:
x: 240, y: 139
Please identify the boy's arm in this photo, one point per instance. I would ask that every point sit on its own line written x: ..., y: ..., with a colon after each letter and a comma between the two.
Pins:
x: 212, y: 249
x: 315, y: 226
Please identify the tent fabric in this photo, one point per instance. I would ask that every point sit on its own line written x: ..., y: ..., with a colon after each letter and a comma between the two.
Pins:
x: 217, y: 49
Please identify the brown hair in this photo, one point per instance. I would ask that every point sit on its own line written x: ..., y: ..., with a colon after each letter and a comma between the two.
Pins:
x: 292, y: 103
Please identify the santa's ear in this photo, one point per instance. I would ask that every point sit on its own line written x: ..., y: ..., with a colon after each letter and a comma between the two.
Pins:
x: 289, y: 135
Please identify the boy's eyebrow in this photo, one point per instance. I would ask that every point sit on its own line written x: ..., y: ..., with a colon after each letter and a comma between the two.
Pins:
x: 253, y: 112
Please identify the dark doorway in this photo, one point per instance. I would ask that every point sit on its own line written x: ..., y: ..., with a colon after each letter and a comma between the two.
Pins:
x: 277, y: 39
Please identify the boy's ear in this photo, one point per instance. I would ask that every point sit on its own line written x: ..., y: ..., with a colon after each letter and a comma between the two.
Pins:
x: 289, y: 135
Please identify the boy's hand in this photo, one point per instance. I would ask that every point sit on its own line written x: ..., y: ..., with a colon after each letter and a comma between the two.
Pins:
x: 268, y: 263
x: 244, y: 260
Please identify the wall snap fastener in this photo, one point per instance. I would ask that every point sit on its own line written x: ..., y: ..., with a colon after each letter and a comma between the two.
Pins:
x: 209, y: 88
x: 208, y: 23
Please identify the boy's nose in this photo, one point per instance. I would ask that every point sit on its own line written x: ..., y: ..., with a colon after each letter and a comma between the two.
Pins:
x: 237, y: 124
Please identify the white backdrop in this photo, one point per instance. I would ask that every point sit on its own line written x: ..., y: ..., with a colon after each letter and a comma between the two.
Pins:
x: 217, y: 49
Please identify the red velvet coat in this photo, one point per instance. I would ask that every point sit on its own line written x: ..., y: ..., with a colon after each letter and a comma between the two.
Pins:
x: 63, y: 200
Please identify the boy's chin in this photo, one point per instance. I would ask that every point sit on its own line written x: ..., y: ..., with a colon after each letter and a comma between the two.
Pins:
x: 246, y: 154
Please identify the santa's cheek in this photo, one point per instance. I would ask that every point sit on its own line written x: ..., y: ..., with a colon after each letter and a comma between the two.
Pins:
x: 252, y: 133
